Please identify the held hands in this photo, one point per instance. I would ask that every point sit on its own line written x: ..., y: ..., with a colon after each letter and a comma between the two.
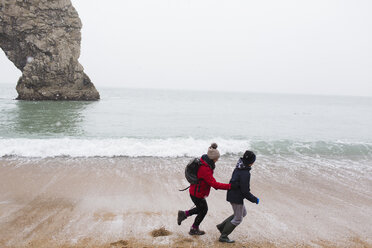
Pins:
x: 235, y: 185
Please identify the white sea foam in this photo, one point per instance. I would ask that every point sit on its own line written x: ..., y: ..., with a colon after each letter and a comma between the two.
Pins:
x: 174, y: 147
x: 131, y: 147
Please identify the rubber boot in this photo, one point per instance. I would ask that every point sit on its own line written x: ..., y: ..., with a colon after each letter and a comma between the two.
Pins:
x: 222, y: 225
x: 181, y: 217
x: 229, y: 227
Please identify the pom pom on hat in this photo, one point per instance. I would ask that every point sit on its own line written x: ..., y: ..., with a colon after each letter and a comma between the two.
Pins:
x: 214, y: 146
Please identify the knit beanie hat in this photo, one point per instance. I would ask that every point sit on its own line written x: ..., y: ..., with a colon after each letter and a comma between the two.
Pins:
x: 213, y: 153
x: 249, y: 157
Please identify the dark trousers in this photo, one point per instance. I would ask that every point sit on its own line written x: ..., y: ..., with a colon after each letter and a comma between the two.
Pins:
x: 201, y: 209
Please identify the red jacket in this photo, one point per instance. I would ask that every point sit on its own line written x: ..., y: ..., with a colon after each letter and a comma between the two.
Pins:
x: 206, y: 181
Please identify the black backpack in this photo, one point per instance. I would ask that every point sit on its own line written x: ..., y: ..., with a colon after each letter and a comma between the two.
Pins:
x: 191, y: 172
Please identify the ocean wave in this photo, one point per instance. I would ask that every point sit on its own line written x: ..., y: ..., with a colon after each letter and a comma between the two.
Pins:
x: 173, y: 147
x: 131, y: 147
x: 311, y: 148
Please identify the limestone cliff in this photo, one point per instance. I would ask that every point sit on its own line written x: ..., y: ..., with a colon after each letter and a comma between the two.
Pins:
x: 42, y: 39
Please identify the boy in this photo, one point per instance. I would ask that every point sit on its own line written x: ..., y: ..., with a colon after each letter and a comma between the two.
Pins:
x: 240, y: 176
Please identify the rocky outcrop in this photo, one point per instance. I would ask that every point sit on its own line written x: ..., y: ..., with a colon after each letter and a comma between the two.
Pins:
x: 42, y: 39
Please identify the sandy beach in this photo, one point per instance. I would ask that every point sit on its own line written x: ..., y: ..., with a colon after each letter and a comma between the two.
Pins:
x: 104, y: 103
x: 118, y: 202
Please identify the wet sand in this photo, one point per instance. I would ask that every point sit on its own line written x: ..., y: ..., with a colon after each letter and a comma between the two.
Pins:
x: 95, y: 202
x: 195, y: 242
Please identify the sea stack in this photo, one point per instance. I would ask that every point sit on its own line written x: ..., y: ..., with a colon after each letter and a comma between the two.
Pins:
x: 42, y: 39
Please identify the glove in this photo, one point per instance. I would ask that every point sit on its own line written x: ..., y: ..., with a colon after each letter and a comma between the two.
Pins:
x: 258, y: 200
x: 235, y: 185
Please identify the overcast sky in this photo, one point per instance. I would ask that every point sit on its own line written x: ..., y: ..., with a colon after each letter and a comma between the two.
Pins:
x: 287, y: 46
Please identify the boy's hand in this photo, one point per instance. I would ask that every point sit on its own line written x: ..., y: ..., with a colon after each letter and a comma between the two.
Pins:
x: 258, y: 200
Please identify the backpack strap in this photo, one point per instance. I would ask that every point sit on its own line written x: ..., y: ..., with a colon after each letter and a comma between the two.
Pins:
x: 184, y: 189
x: 196, y: 187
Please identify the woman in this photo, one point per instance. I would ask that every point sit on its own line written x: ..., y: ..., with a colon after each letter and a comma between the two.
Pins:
x: 242, y: 177
x: 200, y: 191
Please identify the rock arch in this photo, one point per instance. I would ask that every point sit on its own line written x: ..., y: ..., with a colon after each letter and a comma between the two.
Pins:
x: 42, y: 39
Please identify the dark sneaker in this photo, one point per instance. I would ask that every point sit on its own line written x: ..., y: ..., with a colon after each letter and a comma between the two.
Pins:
x: 194, y: 231
x: 181, y: 217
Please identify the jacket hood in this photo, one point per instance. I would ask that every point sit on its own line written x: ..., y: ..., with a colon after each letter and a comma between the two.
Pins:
x: 241, y: 166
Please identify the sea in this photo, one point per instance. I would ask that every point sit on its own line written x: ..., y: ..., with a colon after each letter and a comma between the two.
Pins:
x: 172, y: 123
x: 97, y: 172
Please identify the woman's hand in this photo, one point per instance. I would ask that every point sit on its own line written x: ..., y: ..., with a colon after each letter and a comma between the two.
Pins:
x: 235, y: 185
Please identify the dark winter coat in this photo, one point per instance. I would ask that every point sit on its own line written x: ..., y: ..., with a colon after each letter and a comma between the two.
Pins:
x: 242, y: 177
x: 206, y: 179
